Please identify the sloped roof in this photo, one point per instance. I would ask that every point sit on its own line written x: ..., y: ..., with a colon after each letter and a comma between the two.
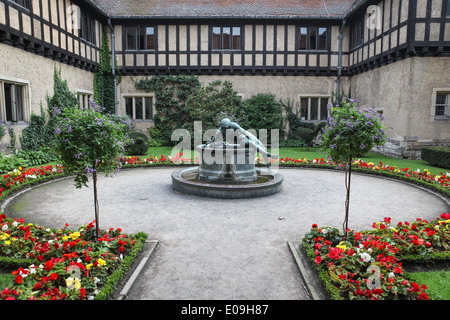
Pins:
x: 226, y: 8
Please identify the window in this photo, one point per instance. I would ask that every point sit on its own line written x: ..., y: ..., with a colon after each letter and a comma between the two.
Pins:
x: 87, y: 31
x: 23, y: 3
x: 357, y: 34
x: 83, y: 99
x: 313, y: 108
x: 448, y: 8
x: 226, y: 38
x: 140, y: 38
x: 312, y: 38
x: 139, y: 108
x: 442, y: 104
x: 13, y: 101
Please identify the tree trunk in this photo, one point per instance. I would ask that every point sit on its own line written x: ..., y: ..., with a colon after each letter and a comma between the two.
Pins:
x: 348, y: 176
x: 94, y: 178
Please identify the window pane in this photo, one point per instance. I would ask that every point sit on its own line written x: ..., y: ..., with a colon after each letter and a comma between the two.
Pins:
x: 441, y: 98
x: 216, y: 38
x: 322, y: 39
x: 302, y: 40
x: 142, y: 38
x: 304, y: 108
x: 131, y: 38
x: 314, y: 108
x: 129, y: 107
x: 323, y: 109
x: 19, y: 103
x: 148, y: 108
x: 8, y: 101
x: 448, y: 7
x: 312, y: 38
x: 440, y: 111
x: 236, y: 38
x: 150, y: 34
x: 226, y: 38
x: 138, y: 108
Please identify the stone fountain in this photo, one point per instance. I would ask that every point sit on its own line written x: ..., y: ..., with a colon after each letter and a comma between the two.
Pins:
x: 227, y: 170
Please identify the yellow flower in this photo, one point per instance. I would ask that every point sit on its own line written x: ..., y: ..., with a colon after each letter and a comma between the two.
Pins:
x: 447, y: 221
x: 75, y: 235
x: 341, y: 245
x: 65, y: 238
x: 89, y: 266
x: 73, y: 283
x: 7, y: 242
x: 395, y: 230
x: 101, y: 262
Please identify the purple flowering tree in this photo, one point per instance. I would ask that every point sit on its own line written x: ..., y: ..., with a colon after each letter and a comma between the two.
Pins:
x: 88, y: 141
x: 350, y: 132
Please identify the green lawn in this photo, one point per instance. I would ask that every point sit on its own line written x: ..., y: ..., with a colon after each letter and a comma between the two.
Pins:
x: 438, y: 283
x: 298, y: 153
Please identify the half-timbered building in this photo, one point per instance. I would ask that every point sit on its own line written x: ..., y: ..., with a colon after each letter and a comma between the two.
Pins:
x: 394, y: 55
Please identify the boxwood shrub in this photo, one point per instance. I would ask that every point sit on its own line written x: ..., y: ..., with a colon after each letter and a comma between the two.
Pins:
x: 437, y: 156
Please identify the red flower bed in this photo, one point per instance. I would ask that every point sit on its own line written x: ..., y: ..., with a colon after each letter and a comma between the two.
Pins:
x: 367, y: 264
x: 62, y: 264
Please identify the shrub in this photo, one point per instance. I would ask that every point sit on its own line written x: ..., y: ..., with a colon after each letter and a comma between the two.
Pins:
x: 308, y: 135
x: 436, y: 156
x: 140, y: 143
x: 262, y: 112
x: 37, y: 134
x: 36, y: 157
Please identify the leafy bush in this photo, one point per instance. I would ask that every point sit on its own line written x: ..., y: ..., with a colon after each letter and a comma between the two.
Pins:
x: 262, y: 112
x: 36, y: 157
x: 37, y: 134
x: 308, y: 135
x: 436, y: 156
x: 10, y: 163
x: 140, y: 143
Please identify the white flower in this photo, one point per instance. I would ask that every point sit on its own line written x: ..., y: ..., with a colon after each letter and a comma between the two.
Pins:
x: 15, y: 223
x: 418, y: 170
x: 5, y: 227
x: 391, y: 275
x: 365, y: 257
x: 96, y: 280
x: 47, y: 230
x: 79, y: 260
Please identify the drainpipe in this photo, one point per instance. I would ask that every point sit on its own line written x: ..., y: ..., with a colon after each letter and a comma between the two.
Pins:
x: 113, y: 67
x: 339, y: 67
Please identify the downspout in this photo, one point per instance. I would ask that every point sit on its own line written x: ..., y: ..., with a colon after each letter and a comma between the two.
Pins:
x: 113, y: 67
x: 339, y: 67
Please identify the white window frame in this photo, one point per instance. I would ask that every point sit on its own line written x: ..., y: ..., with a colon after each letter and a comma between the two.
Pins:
x: 83, y: 97
x: 139, y: 95
x: 26, y: 98
x: 433, y: 116
x: 309, y: 97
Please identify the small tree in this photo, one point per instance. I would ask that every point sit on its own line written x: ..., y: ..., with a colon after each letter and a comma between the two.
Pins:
x: 349, y: 132
x: 89, y: 141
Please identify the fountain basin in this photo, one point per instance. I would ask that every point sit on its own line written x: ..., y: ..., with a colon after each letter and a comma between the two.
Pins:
x: 186, y: 181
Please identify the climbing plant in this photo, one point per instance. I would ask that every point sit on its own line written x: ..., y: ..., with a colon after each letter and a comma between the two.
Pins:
x: 171, y: 93
x: 104, y: 78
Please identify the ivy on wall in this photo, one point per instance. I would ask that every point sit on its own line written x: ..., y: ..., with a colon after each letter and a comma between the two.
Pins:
x: 104, y: 78
x: 171, y: 93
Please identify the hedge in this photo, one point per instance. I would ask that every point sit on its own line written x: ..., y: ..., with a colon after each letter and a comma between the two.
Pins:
x: 437, y: 156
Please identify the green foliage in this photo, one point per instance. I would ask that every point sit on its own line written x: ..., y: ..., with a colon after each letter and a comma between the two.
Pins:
x: 62, y: 97
x: 293, y: 119
x: 308, y: 135
x: 351, y: 131
x: 171, y: 93
x: 104, y: 93
x: 262, y: 111
x: 36, y: 157
x: 139, y: 144
x: 437, y: 156
x: 37, y: 134
x: 87, y: 141
x: 12, y: 140
x: 212, y: 103
x: 8, y: 164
